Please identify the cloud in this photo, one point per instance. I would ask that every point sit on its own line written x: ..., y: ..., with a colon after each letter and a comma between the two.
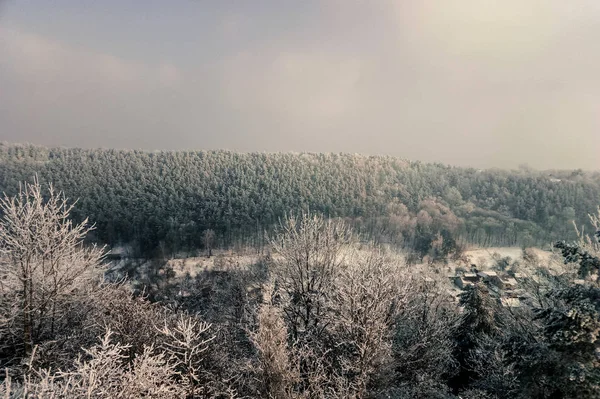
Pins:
x: 307, y: 85
x: 59, y: 94
x: 474, y: 82
x: 37, y: 57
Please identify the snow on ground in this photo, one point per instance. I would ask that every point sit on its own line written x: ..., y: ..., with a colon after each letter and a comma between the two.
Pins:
x: 483, y: 257
x: 226, y: 261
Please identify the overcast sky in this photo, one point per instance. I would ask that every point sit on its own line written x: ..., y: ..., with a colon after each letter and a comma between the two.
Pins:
x: 484, y: 83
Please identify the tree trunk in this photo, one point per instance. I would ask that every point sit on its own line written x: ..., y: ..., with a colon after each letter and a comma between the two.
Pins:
x: 27, y: 290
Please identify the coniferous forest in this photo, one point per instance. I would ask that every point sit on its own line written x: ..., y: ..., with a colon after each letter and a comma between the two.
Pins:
x: 165, y: 201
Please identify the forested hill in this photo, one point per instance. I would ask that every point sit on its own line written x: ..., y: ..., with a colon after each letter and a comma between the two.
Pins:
x: 168, y: 199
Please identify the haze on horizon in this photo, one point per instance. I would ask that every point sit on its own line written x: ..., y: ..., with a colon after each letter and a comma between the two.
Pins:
x: 466, y: 82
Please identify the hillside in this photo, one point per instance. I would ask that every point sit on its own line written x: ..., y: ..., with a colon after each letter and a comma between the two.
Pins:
x: 166, y: 200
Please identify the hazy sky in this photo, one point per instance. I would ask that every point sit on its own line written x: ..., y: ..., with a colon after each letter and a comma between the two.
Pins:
x: 467, y: 82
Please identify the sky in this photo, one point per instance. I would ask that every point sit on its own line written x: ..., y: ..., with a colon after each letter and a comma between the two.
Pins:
x: 477, y: 83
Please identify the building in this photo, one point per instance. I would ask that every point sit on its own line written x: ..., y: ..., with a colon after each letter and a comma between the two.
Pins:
x: 491, y: 277
x: 510, y: 302
x: 471, y: 277
x: 509, y: 283
x: 461, y: 282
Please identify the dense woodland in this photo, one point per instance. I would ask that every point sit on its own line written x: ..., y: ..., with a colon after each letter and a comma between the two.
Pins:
x: 325, y: 314
x: 166, y: 201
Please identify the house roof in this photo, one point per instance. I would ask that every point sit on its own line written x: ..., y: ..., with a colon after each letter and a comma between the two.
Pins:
x: 510, y: 302
x: 510, y: 281
x: 461, y: 281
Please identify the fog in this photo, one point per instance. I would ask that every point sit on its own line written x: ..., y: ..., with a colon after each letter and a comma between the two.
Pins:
x: 467, y: 82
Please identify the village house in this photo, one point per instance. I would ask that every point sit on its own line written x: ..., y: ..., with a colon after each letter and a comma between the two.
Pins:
x: 491, y: 277
x: 509, y: 283
x: 510, y: 302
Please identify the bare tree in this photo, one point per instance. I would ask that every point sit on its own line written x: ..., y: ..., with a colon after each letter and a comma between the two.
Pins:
x: 340, y: 301
x: 422, y: 344
x: 367, y: 298
x: 104, y: 374
x: 276, y: 370
x: 309, y: 252
x: 208, y: 238
x: 186, y: 342
x: 43, y: 260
